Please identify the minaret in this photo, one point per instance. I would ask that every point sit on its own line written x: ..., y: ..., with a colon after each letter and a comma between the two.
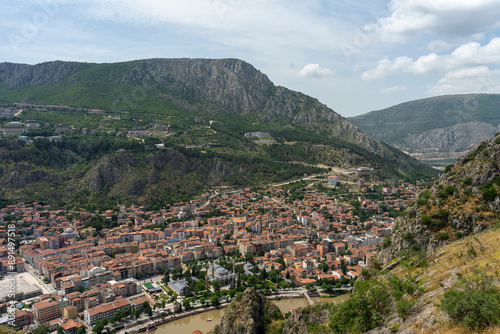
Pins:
x: 234, y: 271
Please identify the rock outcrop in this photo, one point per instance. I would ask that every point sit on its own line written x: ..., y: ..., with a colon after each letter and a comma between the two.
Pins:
x: 109, y: 170
x: 456, y: 138
x: 465, y: 200
x: 301, y: 320
x: 250, y: 313
x: 22, y: 175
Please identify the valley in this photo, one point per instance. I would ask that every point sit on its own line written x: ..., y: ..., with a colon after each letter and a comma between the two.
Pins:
x: 142, y: 190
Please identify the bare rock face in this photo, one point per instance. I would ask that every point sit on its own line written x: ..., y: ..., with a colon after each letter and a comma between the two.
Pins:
x: 465, y: 200
x: 249, y: 315
x: 17, y: 75
x: 456, y: 138
x: 301, y: 320
x: 23, y: 175
x: 109, y: 170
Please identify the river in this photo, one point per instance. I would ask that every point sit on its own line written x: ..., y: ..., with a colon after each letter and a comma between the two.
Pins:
x: 199, y: 321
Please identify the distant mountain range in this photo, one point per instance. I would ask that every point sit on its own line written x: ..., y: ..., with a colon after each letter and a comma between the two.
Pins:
x: 203, y: 102
x: 444, y: 124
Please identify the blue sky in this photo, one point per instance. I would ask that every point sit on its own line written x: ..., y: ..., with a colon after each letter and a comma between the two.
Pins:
x: 353, y: 56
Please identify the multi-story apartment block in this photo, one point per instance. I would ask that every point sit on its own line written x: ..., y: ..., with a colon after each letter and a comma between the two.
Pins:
x: 23, y: 318
x: 107, y: 310
x: 46, y: 310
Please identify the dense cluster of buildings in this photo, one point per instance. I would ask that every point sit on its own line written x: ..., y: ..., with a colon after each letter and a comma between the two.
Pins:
x: 94, y: 272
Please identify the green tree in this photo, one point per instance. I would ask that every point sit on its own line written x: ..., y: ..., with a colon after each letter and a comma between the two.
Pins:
x: 364, y: 310
x: 42, y: 329
x: 263, y: 274
x: 489, y: 193
x: 215, y: 300
x: 200, y: 285
x: 81, y: 330
x: 99, y: 326
x: 249, y: 258
x: 60, y: 330
x: 186, y: 304
x: 166, y: 277
x: 327, y: 288
x: 252, y: 280
x: 284, y: 285
x: 146, y: 308
x: 216, y: 284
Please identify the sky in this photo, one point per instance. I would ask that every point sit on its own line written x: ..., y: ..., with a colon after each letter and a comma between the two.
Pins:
x: 353, y: 56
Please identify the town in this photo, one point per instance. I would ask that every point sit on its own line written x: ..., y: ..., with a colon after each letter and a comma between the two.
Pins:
x: 82, y: 271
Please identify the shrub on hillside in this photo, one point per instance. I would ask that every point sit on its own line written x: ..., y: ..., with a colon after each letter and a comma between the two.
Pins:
x: 474, y: 302
x: 489, y: 193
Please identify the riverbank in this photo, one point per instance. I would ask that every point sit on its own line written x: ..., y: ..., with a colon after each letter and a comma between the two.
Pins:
x: 165, y: 318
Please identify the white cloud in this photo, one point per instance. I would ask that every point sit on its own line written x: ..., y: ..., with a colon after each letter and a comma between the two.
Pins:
x: 315, y: 71
x: 449, y: 18
x: 439, y: 46
x: 478, y: 79
x: 394, y: 89
x: 470, y: 54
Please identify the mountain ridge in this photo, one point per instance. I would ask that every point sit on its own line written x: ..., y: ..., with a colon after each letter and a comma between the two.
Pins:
x: 448, y: 123
x: 232, y: 85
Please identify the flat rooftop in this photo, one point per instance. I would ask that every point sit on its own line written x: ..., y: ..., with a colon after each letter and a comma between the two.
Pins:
x: 22, y: 285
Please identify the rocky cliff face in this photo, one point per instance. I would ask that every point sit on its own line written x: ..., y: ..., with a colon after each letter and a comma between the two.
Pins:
x: 18, y: 75
x: 251, y: 314
x: 123, y: 175
x: 126, y: 175
x: 109, y: 169
x: 465, y: 200
x: 456, y: 138
x: 22, y: 175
